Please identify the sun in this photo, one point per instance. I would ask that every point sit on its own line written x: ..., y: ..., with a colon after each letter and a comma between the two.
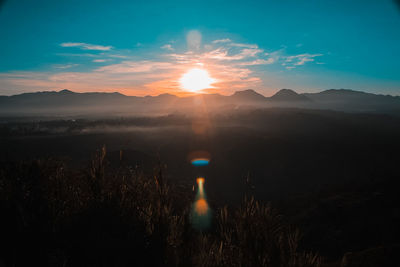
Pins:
x: 196, y: 79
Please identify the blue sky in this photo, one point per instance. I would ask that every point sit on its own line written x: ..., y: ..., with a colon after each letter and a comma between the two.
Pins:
x: 144, y: 47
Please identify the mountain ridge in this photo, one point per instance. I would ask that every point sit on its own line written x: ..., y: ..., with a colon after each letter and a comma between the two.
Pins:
x: 240, y: 92
x: 288, y: 95
x: 68, y: 101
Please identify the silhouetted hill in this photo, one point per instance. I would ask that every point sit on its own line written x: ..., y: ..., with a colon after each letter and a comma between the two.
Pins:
x: 61, y: 98
x: 345, y: 95
x: 66, y: 102
x: 288, y: 95
x: 165, y: 96
x: 350, y: 100
x: 248, y: 96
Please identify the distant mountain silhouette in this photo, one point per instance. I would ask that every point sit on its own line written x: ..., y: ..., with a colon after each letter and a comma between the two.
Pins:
x: 66, y: 92
x: 288, y: 95
x: 248, y: 95
x: 62, y: 98
x: 67, y: 102
x: 340, y: 95
x: 350, y: 100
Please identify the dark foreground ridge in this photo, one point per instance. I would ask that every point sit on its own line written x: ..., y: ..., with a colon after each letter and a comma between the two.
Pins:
x: 53, y: 216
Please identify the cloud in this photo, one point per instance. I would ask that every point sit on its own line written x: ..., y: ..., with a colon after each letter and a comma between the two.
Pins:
x: 258, y: 62
x: 100, y: 60
x: 167, y: 47
x: 299, y: 60
x: 232, y: 53
x: 65, y: 66
x: 135, y: 67
x: 226, y: 40
x: 76, y: 55
x: 224, y: 54
x: 250, y: 52
x: 85, y: 46
x: 253, y: 46
x: 118, y: 56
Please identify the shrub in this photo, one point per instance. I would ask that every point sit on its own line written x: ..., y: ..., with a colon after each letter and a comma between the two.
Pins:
x: 101, y: 216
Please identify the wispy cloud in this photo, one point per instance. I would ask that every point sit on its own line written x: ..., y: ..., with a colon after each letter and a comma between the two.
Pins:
x: 86, y: 46
x: 117, y: 56
x: 226, y: 40
x: 299, y: 60
x: 135, y: 67
x: 65, y: 66
x: 252, y: 46
x: 167, y: 47
x: 258, y: 62
x: 76, y: 55
x: 100, y: 60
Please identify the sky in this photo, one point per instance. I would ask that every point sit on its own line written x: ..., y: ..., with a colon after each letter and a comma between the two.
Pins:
x: 145, y: 47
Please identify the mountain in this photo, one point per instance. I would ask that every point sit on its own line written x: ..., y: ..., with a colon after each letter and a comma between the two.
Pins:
x: 60, y: 99
x: 288, y: 95
x: 248, y: 96
x: 351, y: 100
x: 66, y: 102
x: 347, y: 95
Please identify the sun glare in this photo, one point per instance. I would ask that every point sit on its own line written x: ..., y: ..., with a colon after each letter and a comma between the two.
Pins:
x: 195, y: 80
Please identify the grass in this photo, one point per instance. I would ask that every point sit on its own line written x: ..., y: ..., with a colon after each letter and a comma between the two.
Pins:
x: 55, y: 216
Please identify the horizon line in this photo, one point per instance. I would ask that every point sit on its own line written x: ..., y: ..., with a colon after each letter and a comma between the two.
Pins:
x: 191, y: 94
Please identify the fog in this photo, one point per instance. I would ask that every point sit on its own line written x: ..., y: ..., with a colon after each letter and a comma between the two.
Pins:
x: 285, y: 151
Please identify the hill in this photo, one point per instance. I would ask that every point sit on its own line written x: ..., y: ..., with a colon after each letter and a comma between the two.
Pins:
x: 66, y: 102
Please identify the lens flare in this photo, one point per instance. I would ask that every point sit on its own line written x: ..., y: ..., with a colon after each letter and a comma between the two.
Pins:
x: 199, y: 158
x: 200, y: 126
x: 201, y: 213
x: 200, y: 162
x: 200, y: 182
x: 201, y: 206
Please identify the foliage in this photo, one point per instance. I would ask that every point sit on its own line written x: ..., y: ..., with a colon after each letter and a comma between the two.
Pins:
x: 55, y: 216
